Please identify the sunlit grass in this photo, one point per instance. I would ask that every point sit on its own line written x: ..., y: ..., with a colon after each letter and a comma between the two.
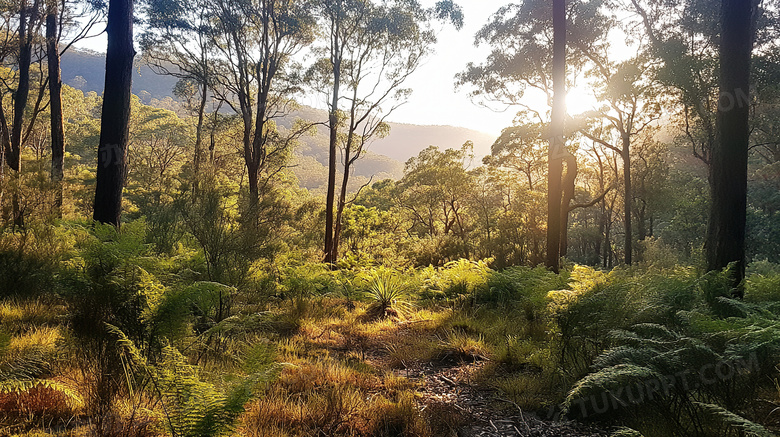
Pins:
x: 43, y: 337
x: 18, y: 315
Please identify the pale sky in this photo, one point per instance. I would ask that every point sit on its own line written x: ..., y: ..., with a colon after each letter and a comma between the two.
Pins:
x: 435, y: 100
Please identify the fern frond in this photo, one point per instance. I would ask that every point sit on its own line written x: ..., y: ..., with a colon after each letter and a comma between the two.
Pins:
x: 609, y: 379
x: 21, y: 386
x: 734, y: 420
x: 626, y: 432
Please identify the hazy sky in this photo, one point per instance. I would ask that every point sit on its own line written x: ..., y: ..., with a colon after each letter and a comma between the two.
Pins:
x: 435, y: 100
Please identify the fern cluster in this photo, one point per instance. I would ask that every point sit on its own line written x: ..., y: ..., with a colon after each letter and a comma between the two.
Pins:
x: 687, y: 361
x: 191, y: 406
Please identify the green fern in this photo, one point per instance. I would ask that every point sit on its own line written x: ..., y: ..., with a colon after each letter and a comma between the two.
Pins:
x: 734, y: 421
x: 192, y: 407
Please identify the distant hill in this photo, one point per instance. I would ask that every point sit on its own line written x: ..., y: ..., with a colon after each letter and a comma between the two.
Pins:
x: 85, y: 70
x: 406, y: 140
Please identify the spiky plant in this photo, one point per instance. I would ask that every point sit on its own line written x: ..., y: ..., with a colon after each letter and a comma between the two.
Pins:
x: 387, y: 292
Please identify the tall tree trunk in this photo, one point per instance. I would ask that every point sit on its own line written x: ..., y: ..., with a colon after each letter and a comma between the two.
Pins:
x: 557, y: 144
x: 55, y: 99
x: 198, y: 157
x: 114, y: 121
x: 26, y: 15
x: 641, y: 218
x: 5, y: 145
x: 332, y: 151
x: 728, y: 171
x: 627, y: 198
x: 600, y: 238
x: 340, y: 208
x: 568, y: 195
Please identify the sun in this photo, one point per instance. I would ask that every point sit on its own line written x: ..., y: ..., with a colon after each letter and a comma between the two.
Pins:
x: 580, y: 99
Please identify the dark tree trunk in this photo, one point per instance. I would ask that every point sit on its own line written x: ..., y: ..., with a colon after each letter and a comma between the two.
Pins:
x: 330, y: 199
x: 23, y: 89
x: 114, y: 122
x: 55, y: 99
x: 5, y: 145
x: 568, y: 195
x: 557, y: 145
x: 641, y: 218
x: 600, y: 237
x: 728, y: 170
x: 627, y: 198
x: 340, y: 209
x: 27, y: 16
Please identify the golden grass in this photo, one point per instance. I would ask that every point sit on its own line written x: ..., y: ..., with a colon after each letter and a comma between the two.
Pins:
x: 336, y: 376
x: 36, y: 337
x: 19, y: 315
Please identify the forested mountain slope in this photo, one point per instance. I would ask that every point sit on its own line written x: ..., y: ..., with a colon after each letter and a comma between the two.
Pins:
x: 83, y: 70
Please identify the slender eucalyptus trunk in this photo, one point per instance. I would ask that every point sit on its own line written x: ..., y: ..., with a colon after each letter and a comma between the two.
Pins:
x: 728, y: 170
x: 628, y: 199
x: 332, y: 151
x: 557, y: 144
x: 5, y: 145
x: 55, y: 104
x: 340, y: 210
x: 114, y: 121
x: 26, y: 15
x: 198, y: 157
x: 568, y: 195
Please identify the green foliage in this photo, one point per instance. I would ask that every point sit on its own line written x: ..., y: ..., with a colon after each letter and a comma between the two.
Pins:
x: 199, y: 306
x: 105, y: 283
x: 309, y: 280
x: 192, y: 407
x: 688, y: 354
x: 387, y: 291
x: 763, y: 282
x: 457, y: 280
x: 29, y: 259
x: 522, y: 284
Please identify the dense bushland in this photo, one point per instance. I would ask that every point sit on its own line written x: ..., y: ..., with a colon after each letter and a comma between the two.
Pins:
x: 115, y: 335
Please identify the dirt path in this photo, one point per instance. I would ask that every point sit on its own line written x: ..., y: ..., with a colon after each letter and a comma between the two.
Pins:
x: 450, y: 387
x: 488, y: 415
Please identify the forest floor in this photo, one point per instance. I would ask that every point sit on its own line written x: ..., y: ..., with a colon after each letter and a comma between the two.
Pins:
x: 449, y: 373
x: 426, y: 374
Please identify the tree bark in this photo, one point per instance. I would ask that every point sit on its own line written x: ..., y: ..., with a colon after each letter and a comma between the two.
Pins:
x: 332, y: 151
x: 568, y: 188
x: 728, y: 170
x: 627, y: 198
x: 26, y: 15
x: 340, y: 211
x: 557, y: 144
x: 115, y: 118
x: 55, y: 103
x: 198, y: 157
